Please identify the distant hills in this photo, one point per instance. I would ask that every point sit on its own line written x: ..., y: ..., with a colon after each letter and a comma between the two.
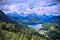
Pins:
x: 29, y: 19
x: 14, y: 16
x: 32, y: 18
x: 55, y: 19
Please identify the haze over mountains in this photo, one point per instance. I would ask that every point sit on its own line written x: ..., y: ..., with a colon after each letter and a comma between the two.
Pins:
x: 29, y: 19
x: 32, y: 18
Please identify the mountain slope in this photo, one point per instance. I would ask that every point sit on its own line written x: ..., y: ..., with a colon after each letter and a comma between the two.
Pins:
x: 55, y: 19
x: 32, y: 18
x: 14, y: 16
x: 5, y: 18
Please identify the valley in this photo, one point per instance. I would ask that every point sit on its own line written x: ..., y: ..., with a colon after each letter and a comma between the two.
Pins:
x: 31, y: 27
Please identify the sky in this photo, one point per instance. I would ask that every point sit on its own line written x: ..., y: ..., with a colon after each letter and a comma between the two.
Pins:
x: 40, y: 7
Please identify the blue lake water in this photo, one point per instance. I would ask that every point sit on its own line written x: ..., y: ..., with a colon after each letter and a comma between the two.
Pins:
x: 37, y: 26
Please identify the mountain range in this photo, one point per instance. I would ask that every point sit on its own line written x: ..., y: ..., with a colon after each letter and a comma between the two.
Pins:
x: 30, y: 19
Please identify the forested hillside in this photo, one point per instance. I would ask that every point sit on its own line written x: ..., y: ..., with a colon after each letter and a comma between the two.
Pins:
x: 13, y: 32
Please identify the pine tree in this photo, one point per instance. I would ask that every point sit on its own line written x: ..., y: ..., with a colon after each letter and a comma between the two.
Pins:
x: 21, y: 37
x: 2, y: 25
x: 36, y: 37
x: 15, y: 37
x: 0, y: 33
x: 25, y: 38
x: 33, y: 38
x: 10, y: 26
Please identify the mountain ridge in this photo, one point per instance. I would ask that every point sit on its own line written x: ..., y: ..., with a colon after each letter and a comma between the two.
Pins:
x: 32, y: 18
x: 5, y: 18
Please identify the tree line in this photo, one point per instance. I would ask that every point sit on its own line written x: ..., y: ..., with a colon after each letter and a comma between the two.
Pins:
x: 10, y: 31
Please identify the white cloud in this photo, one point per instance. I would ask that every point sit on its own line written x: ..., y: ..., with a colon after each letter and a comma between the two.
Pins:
x: 38, y: 6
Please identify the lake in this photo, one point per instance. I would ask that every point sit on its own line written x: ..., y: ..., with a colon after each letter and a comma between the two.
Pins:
x: 37, y: 26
